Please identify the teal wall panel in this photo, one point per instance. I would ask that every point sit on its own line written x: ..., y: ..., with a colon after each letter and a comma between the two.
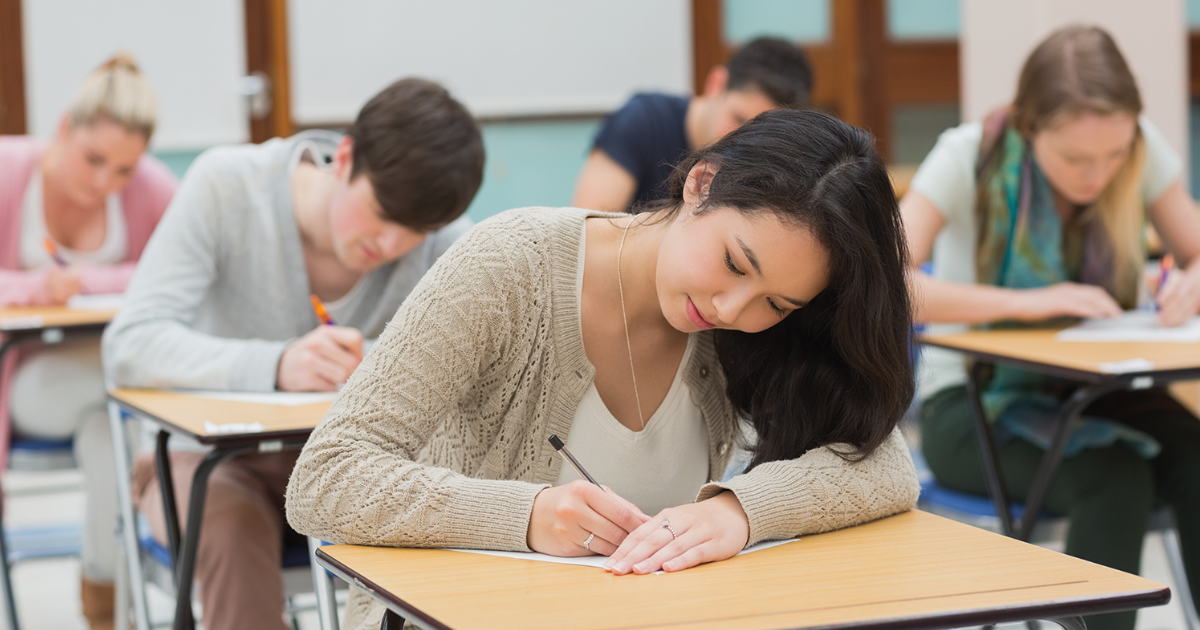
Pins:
x: 528, y: 164
x: 923, y: 19
x: 531, y: 164
x: 794, y: 20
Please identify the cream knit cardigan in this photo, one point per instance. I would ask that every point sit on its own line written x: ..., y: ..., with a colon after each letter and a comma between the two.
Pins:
x: 439, y: 437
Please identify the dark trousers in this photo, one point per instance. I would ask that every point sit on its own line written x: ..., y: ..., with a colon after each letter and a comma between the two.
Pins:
x: 1108, y: 493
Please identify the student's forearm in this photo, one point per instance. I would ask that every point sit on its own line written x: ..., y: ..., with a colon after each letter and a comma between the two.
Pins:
x: 20, y: 288
x: 106, y: 278
x: 820, y: 491
x: 940, y: 301
x: 165, y: 354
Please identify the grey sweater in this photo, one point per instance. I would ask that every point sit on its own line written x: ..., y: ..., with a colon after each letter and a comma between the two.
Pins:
x: 221, y: 288
x: 439, y: 437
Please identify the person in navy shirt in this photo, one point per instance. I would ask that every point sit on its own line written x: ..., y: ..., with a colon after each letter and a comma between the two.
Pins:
x: 638, y: 145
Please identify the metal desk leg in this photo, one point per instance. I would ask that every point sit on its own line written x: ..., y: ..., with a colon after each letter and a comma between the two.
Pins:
x: 1070, y: 623
x: 186, y: 567
x: 391, y: 621
x: 987, y: 448
x: 126, y: 521
x: 10, y: 602
x: 1067, y: 420
x: 166, y: 486
x: 323, y: 584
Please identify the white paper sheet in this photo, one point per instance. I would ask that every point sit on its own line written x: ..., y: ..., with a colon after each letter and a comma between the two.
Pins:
x: 598, y: 561
x: 1129, y: 365
x: 288, y: 399
x: 95, y: 302
x: 1132, y: 326
x: 213, y: 428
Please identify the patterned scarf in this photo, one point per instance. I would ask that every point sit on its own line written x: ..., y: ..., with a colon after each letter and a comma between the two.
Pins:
x: 1024, y: 245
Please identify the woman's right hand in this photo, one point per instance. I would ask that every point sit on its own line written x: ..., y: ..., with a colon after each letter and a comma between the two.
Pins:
x: 62, y: 283
x: 564, y: 516
x: 1065, y: 299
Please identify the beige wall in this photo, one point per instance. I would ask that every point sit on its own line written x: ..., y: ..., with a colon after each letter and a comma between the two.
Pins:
x: 996, y: 37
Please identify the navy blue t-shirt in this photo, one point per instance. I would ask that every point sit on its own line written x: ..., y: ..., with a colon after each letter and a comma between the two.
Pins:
x: 647, y: 137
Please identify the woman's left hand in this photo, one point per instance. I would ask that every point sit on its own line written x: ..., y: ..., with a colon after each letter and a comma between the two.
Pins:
x: 713, y: 529
x: 1179, y: 298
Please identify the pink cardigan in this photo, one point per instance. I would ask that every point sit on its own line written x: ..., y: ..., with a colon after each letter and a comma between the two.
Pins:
x: 144, y: 199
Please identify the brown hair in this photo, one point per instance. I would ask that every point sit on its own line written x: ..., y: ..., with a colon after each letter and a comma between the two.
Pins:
x: 777, y: 68
x: 1079, y: 70
x: 422, y: 152
x: 117, y: 91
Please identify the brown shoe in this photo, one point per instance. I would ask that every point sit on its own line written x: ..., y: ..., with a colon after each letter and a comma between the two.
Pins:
x: 98, y: 603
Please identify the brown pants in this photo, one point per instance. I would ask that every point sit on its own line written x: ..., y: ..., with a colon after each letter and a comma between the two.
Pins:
x: 241, y: 538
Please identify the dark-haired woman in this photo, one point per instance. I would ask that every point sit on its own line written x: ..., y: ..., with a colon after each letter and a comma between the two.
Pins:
x: 771, y: 289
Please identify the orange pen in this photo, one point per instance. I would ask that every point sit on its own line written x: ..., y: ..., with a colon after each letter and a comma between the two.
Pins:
x: 322, y: 314
x: 48, y: 245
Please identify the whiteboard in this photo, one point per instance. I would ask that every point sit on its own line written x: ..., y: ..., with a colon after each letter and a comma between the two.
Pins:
x: 192, y: 53
x: 499, y: 57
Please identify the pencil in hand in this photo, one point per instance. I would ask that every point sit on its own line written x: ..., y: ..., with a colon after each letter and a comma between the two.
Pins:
x: 319, y: 309
x: 51, y: 249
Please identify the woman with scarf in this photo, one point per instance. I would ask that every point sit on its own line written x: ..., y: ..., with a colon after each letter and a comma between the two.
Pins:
x: 1037, y: 213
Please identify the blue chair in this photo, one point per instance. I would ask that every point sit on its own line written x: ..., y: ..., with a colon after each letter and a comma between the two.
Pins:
x: 147, y: 562
x: 978, y: 510
x: 157, y: 569
x: 32, y: 455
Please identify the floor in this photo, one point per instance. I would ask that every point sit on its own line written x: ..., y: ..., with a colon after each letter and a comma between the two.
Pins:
x: 47, y: 589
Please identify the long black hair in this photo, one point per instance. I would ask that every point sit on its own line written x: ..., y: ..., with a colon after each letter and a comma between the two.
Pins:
x: 837, y: 370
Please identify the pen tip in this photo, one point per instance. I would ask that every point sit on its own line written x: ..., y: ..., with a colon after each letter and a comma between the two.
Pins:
x: 556, y: 443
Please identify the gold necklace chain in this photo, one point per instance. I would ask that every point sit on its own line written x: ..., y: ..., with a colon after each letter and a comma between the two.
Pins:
x: 628, y: 346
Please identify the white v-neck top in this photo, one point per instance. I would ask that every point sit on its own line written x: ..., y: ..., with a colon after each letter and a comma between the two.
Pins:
x: 661, y: 466
x: 33, y: 231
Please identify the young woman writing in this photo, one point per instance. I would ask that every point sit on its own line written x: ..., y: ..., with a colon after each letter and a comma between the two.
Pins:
x: 1038, y: 213
x: 770, y: 288
x: 94, y: 194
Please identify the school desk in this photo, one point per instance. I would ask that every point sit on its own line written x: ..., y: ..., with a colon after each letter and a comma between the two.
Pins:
x: 283, y: 427
x: 913, y: 570
x: 1038, y: 350
x: 47, y: 324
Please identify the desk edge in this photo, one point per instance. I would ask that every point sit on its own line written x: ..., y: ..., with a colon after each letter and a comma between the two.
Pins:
x: 216, y: 441
x: 379, y: 594
x: 1057, y: 609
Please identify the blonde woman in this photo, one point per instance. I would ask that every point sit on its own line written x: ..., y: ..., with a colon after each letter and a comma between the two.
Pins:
x: 1035, y: 214
x: 96, y: 196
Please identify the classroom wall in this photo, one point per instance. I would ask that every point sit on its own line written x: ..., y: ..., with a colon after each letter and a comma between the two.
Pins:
x: 193, y: 54
x: 510, y: 58
x: 529, y: 162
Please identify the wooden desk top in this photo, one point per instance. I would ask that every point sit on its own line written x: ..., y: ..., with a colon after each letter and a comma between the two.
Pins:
x: 1039, y: 347
x: 187, y: 414
x: 36, y: 317
x: 911, y: 570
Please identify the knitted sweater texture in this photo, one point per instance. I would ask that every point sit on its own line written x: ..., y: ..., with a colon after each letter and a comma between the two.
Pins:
x: 439, y: 437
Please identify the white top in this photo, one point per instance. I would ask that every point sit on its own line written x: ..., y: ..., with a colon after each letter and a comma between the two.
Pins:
x: 661, y: 466
x: 947, y: 179
x: 33, y: 231
x: 341, y: 308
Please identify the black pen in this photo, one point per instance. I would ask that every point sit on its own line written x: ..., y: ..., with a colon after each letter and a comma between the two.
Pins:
x: 562, y: 450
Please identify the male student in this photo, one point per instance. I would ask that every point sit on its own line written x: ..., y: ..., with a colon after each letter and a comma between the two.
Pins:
x: 638, y: 146
x: 221, y: 300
